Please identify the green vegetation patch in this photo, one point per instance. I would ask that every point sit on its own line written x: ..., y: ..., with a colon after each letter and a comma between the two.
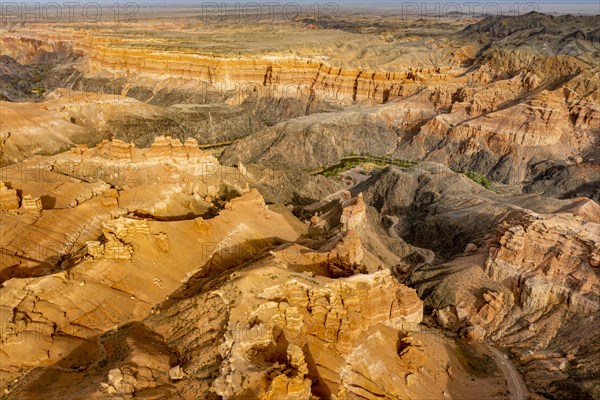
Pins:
x: 478, y: 178
x: 354, y: 160
x: 347, y: 163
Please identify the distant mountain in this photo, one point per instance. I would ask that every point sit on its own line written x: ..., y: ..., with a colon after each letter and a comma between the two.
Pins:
x: 534, y: 23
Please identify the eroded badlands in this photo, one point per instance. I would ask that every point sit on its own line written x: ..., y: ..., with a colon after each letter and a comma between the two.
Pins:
x: 348, y: 208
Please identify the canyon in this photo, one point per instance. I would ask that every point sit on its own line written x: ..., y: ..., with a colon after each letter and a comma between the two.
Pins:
x: 347, y: 207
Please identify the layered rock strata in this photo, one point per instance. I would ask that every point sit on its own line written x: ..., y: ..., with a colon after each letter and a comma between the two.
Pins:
x: 9, y: 199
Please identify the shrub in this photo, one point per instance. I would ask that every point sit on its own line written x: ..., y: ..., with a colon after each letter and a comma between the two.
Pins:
x: 478, y: 178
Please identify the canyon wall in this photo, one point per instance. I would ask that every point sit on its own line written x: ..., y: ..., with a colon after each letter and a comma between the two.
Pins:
x: 278, y: 75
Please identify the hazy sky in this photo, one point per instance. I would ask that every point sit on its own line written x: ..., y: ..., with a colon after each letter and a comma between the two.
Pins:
x: 507, y: 7
x: 562, y: 6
